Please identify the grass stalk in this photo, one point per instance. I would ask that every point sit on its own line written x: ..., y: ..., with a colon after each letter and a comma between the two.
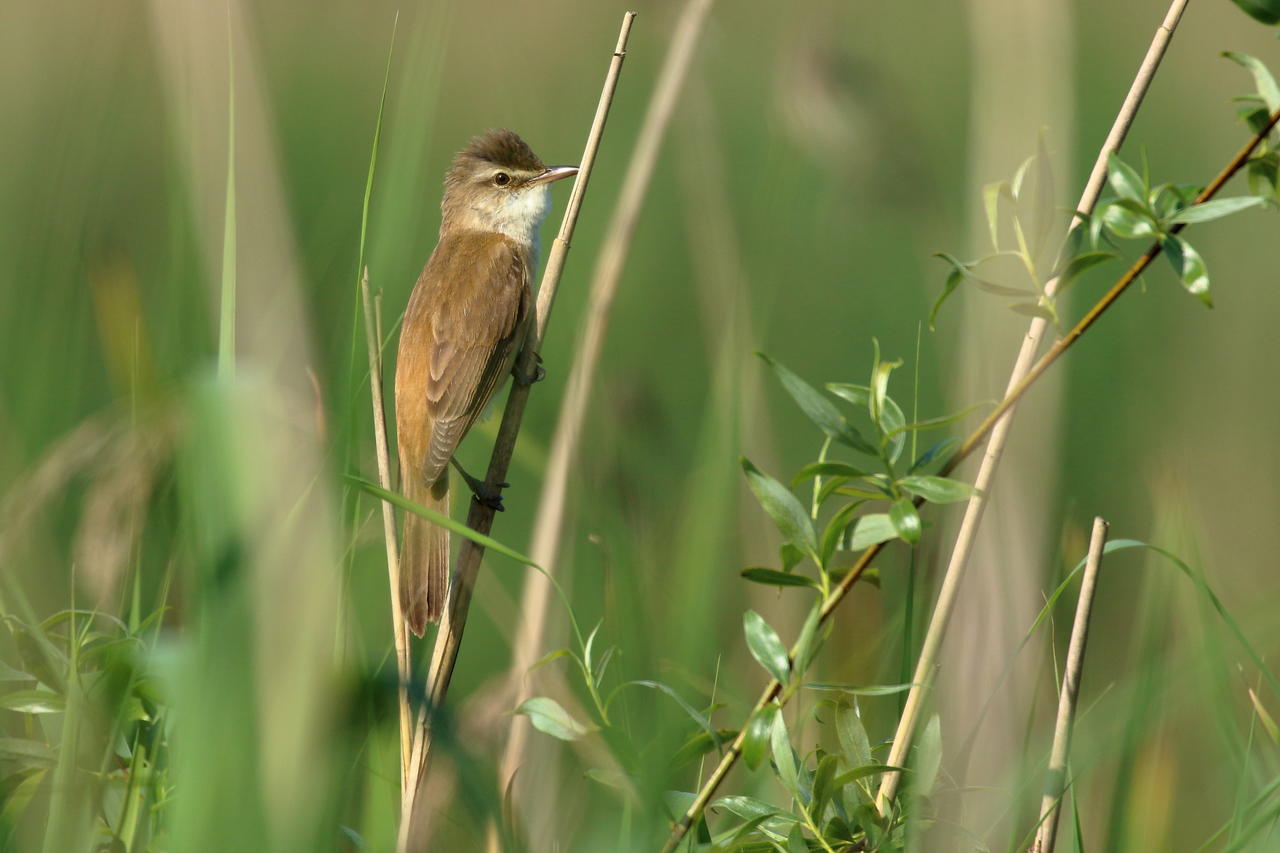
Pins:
x: 480, y: 518
x: 227, y: 299
x: 1000, y: 427
x: 373, y: 344
x: 985, y: 430
x: 1056, y: 785
x: 573, y: 412
x: 373, y: 340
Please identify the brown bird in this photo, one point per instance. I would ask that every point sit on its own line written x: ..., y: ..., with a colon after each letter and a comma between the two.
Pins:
x: 463, y: 328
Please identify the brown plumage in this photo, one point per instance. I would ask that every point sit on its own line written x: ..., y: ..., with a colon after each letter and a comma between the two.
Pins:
x: 463, y: 328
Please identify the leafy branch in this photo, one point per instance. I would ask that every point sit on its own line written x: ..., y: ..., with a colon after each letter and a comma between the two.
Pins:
x: 774, y: 692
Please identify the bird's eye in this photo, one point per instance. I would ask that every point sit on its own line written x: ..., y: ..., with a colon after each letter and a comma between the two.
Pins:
x: 502, y: 179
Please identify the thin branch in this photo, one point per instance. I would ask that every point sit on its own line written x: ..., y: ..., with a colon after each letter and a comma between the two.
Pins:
x: 948, y: 593
x: 573, y: 411
x: 985, y: 430
x: 449, y: 636
x: 373, y: 340
x: 1047, y: 834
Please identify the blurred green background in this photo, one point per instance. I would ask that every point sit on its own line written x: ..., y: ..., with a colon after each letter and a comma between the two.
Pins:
x: 820, y: 153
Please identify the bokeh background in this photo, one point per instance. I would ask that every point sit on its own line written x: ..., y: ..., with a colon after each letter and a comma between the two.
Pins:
x: 821, y: 151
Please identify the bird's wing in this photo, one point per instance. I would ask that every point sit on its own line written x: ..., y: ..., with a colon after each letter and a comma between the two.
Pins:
x: 467, y: 320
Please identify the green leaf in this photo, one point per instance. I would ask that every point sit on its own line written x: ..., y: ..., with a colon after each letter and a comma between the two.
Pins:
x: 905, y: 520
x: 700, y: 743
x: 26, y: 752
x: 732, y: 839
x: 551, y: 656
x: 826, y: 469
x: 678, y: 803
x: 1262, y: 78
x: 855, y: 690
x: 991, y: 202
x: 928, y: 757
x: 872, y: 529
x: 608, y: 778
x: 1127, y: 220
x: 699, y: 718
x: 953, y: 281
x: 818, y: 408
x: 1265, y: 718
x: 1189, y: 266
x: 823, y: 777
x: 1264, y: 11
x: 1033, y: 309
x: 835, y: 530
x: 784, y: 758
x: 547, y: 715
x: 759, y: 728
x: 773, y: 577
x: 938, y: 490
x: 750, y: 808
x: 444, y: 521
x: 1264, y: 174
x: 1078, y: 265
x: 795, y: 840
x: 892, y: 421
x: 810, y: 641
x: 33, y: 702
x: 864, y: 771
x: 1216, y: 209
x: 880, y: 387
x: 939, y: 451
x: 1015, y: 185
x: 1124, y: 180
x: 790, y: 556
x: 853, y: 736
x: 766, y: 646
x: 784, y: 508
x: 942, y: 420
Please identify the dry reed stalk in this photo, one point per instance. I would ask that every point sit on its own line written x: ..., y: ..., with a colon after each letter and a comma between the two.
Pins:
x: 1047, y: 833
x: 966, y: 537
x: 573, y: 412
x: 480, y: 518
x: 373, y: 341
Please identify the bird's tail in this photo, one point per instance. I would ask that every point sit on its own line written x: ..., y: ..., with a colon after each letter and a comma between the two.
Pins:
x: 424, y: 563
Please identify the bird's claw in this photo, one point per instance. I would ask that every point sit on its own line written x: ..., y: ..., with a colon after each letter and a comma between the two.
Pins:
x: 486, y: 495
x: 538, y: 374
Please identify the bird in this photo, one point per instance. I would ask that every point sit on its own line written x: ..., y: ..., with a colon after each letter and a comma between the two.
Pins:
x: 465, y: 324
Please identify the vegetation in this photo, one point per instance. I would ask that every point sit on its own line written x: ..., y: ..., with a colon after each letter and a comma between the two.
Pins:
x: 197, y: 649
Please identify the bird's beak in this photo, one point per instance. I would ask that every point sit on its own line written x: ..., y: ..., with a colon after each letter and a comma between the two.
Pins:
x: 554, y: 173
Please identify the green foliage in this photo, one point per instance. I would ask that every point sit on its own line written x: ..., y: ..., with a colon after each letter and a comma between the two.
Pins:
x: 1138, y: 211
x: 80, y: 681
x: 1264, y: 11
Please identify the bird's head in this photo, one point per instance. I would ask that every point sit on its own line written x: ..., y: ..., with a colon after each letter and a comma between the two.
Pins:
x: 498, y: 184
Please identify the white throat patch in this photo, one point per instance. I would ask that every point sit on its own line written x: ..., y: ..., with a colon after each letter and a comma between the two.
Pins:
x: 519, y: 216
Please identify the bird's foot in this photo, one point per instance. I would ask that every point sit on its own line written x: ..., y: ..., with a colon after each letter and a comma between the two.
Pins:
x: 482, y: 492
x: 538, y: 375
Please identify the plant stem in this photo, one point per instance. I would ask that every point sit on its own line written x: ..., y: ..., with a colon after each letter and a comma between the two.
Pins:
x: 999, y: 426
x: 1056, y: 785
x: 373, y: 340
x: 449, y: 636
x: 975, y: 439
x: 573, y: 411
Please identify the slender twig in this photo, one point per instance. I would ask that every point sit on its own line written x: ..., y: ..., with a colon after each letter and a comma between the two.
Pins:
x: 1056, y: 785
x: 948, y: 593
x: 841, y: 590
x: 480, y: 518
x: 373, y: 339
x: 573, y: 411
